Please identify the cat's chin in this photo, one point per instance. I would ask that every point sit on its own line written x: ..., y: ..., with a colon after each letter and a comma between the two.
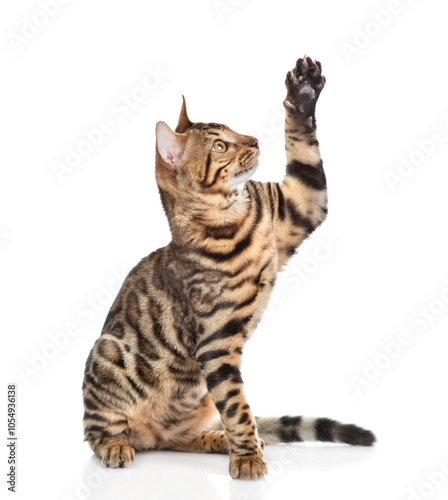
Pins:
x: 240, y: 178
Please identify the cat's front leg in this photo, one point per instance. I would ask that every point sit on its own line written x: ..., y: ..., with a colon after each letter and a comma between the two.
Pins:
x: 304, y: 186
x: 219, y: 358
x: 300, y: 201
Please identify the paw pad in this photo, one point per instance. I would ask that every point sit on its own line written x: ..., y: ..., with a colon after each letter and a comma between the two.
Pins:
x: 304, y: 84
x: 118, y: 455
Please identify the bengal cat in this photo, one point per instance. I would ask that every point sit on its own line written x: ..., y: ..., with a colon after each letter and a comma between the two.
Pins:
x: 165, y: 372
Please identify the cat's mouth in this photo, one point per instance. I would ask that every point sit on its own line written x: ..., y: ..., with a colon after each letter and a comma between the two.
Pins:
x: 248, y: 170
x: 240, y: 178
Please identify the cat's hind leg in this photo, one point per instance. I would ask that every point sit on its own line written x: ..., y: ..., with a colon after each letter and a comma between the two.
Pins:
x: 207, y: 442
x: 106, y: 433
x: 114, y: 451
x: 109, y: 393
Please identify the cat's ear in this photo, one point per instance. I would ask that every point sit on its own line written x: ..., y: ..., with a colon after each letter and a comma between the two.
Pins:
x: 184, y: 121
x: 170, y: 145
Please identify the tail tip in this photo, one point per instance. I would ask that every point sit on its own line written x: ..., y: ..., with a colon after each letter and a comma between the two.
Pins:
x: 356, y: 436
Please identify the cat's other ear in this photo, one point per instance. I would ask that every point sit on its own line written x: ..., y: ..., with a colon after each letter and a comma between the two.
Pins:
x: 170, y: 145
x: 184, y: 121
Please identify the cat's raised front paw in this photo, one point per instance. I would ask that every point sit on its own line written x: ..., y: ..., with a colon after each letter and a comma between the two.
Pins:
x: 304, y: 84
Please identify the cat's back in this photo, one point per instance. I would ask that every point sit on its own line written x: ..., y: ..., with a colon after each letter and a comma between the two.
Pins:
x: 126, y: 307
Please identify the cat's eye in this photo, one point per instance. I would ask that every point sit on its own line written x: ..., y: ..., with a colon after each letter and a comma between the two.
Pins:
x: 219, y: 147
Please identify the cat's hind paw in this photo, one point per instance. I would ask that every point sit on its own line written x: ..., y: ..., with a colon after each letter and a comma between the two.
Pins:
x: 118, y: 454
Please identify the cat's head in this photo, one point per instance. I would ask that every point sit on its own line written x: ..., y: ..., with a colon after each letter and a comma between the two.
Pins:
x: 203, y: 158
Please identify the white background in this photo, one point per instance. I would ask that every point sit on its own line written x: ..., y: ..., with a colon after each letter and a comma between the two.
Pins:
x: 356, y: 286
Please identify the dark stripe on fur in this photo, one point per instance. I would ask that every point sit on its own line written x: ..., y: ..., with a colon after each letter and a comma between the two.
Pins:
x: 215, y: 178
x: 271, y: 199
x: 298, y: 219
x: 232, y: 327
x: 289, y: 429
x: 217, y: 307
x: 231, y: 411
x: 244, y: 418
x: 224, y: 372
x: 281, y: 202
x: 324, y: 429
x: 210, y: 355
x: 247, y: 301
x: 312, y: 176
x: 207, y: 167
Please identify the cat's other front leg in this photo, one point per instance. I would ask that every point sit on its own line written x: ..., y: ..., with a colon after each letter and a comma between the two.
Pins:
x: 219, y: 357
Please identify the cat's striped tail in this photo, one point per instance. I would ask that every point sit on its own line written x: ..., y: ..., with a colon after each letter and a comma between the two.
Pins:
x: 274, y: 430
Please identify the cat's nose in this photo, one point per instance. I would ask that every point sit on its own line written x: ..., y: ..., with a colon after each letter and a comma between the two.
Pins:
x: 253, y: 143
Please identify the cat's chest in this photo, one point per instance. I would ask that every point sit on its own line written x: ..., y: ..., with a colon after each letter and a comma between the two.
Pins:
x: 264, y: 283
x: 243, y: 286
